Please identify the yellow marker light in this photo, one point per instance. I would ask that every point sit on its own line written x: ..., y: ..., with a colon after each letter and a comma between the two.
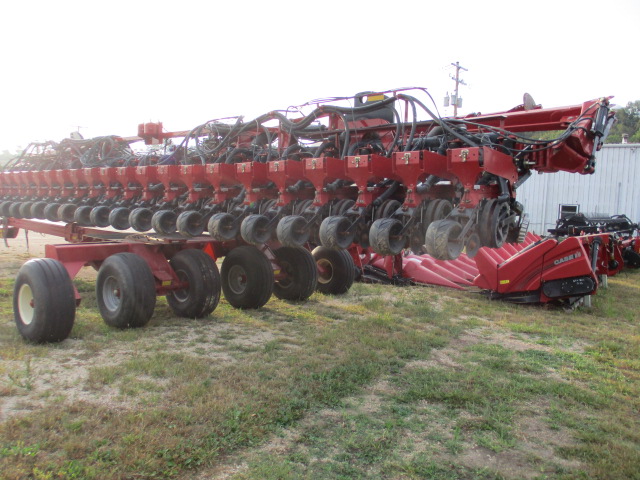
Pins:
x: 504, y: 282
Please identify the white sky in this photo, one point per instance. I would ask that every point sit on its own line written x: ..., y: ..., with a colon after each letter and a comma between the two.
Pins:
x: 108, y: 66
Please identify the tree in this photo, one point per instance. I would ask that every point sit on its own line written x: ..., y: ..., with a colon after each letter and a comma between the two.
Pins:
x: 628, y: 122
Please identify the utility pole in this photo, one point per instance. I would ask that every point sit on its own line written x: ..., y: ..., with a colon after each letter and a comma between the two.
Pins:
x: 458, y: 81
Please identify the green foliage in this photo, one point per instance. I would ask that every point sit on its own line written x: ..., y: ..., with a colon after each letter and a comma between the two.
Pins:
x: 628, y: 122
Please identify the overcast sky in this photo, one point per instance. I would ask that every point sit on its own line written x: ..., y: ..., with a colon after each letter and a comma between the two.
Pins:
x: 107, y: 66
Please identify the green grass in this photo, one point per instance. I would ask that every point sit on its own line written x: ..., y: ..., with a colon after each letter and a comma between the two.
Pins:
x: 384, y: 382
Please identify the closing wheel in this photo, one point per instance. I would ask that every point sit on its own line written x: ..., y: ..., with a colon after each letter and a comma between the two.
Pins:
x: 223, y: 227
x: 140, y: 219
x: 25, y: 210
x: 293, y: 231
x: 247, y: 277
x: 334, y: 232
x: 4, y: 208
x: 501, y: 221
x: 14, y: 210
x: 301, y: 274
x: 119, y: 218
x: 386, y: 236
x: 51, y: 212
x: 37, y: 210
x: 190, y: 224
x: 99, y: 216
x: 44, y: 303
x: 164, y: 222
x: 125, y: 291
x: 66, y: 211
x: 442, y: 239
x: 472, y: 245
x: 255, y: 229
x: 336, y: 271
x: 82, y: 216
x: 202, y: 295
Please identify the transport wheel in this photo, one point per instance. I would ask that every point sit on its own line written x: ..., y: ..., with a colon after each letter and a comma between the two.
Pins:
x: 99, y: 216
x: 247, y: 278
x: 255, y: 229
x: 37, y: 210
x: 4, y: 208
x: 223, y: 227
x: 125, y: 291
x: 386, y: 237
x: 202, y: 295
x: 190, y: 224
x: 442, y: 239
x: 25, y: 210
x: 44, y: 303
x: 336, y: 271
x: 334, y: 232
x: 82, y: 216
x: 301, y: 271
x: 66, y: 211
x: 140, y: 219
x: 164, y: 222
x: 293, y: 231
x: 14, y: 210
x: 51, y: 212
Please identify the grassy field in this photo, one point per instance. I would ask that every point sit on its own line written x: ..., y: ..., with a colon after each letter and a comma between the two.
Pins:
x: 384, y: 382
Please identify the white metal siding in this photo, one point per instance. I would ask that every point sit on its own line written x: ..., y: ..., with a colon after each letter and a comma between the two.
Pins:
x: 614, y: 189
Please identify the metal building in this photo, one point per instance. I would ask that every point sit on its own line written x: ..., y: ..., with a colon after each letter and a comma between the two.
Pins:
x: 614, y: 189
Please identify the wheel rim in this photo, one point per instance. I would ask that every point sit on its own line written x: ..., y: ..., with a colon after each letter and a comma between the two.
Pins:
x: 325, y: 271
x: 111, y: 295
x: 286, y: 282
x: 183, y: 294
x: 237, y: 279
x: 26, y: 306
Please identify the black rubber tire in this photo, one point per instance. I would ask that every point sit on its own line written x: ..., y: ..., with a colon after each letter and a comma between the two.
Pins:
x: 499, y: 225
x: 4, y: 208
x: 190, y: 224
x: 99, y: 216
x: 247, y: 278
x: 66, y: 211
x: 302, y: 274
x: 441, y: 209
x: 164, y: 222
x: 472, y: 245
x: 255, y: 230
x: 51, y: 212
x: 336, y: 271
x: 44, y: 302
x: 202, y: 295
x: 140, y: 219
x: 37, y: 210
x: 442, y: 239
x: 119, y: 218
x: 14, y: 210
x: 333, y: 232
x: 223, y: 227
x: 25, y: 210
x: 125, y: 291
x: 293, y: 231
x: 82, y: 216
x: 385, y: 237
